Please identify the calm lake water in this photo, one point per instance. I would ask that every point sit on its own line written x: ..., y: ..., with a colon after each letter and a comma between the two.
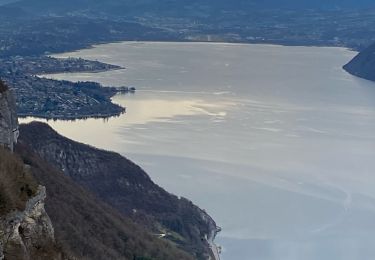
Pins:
x: 276, y: 143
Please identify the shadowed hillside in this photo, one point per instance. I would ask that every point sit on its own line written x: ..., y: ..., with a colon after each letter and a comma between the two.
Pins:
x: 34, y: 192
x: 363, y: 65
x: 25, y: 229
x: 126, y: 187
x: 89, y: 229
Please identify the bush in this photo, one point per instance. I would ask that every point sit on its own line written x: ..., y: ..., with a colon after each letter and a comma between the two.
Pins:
x: 16, y: 183
x: 3, y: 87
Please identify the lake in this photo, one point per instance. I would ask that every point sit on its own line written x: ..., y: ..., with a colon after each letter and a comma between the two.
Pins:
x: 276, y: 143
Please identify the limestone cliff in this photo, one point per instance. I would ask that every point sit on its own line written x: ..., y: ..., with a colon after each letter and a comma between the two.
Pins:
x: 8, y: 118
x: 24, y: 233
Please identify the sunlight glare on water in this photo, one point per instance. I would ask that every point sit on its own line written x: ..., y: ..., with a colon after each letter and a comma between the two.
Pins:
x: 276, y: 143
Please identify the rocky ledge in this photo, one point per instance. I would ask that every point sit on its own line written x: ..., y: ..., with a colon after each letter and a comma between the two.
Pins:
x: 24, y: 233
x: 8, y: 118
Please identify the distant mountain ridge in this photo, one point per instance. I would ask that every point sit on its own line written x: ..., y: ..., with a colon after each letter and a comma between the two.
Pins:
x: 42, y: 24
x: 127, y: 6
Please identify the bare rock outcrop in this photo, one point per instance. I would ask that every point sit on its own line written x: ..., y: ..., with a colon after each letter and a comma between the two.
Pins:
x: 26, y: 231
x: 8, y: 118
x: 28, y: 234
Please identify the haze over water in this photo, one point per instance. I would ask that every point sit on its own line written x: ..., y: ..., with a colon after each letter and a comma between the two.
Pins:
x: 276, y: 143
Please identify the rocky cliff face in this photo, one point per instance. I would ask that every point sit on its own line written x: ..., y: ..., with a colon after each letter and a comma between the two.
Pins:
x: 8, y: 118
x: 24, y: 233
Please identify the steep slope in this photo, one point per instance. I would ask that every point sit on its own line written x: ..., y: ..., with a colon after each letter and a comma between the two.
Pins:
x: 363, y: 65
x: 126, y: 187
x: 87, y: 228
x: 8, y: 118
x: 26, y: 230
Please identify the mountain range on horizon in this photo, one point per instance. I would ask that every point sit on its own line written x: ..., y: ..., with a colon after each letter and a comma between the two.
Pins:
x: 168, y: 5
x: 346, y: 23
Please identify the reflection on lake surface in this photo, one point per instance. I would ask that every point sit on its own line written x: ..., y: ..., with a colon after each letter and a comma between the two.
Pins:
x: 277, y: 143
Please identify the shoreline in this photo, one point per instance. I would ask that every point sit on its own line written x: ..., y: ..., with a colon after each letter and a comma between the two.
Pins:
x: 215, y: 249
x: 214, y: 229
x: 267, y: 43
x: 45, y: 75
x: 72, y: 118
